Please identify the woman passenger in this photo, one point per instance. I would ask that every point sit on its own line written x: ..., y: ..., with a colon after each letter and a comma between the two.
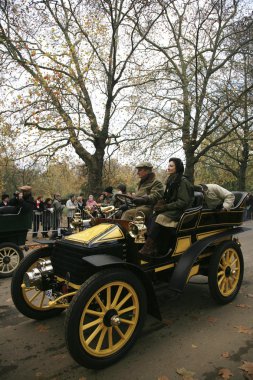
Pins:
x: 178, y: 196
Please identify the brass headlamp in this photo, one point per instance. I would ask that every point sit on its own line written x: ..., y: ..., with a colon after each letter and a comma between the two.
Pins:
x: 77, y: 221
x: 137, y: 228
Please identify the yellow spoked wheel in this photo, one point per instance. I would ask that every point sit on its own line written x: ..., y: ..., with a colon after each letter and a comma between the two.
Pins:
x: 105, y: 318
x: 226, y: 272
x: 31, y: 302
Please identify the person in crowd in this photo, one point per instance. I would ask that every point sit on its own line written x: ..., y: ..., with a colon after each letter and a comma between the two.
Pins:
x: 5, y: 200
x: 58, y: 208
x: 15, y: 200
x: 26, y: 201
x: 37, y: 214
x: 121, y: 189
x: 216, y: 197
x: 47, y: 217
x: 148, y: 192
x: 178, y: 196
x: 80, y: 205
x: 71, y: 205
x: 108, y: 196
x: 91, y: 204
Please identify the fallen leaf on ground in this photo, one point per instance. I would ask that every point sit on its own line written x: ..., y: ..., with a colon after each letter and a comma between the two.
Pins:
x: 225, y: 354
x: 212, y: 320
x: 187, y: 375
x: 250, y: 295
x: 225, y: 373
x: 247, y: 367
x: 243, y: 306
x: 244, y: 330
x: 163, y: 378
x: 42, y: 328
x: 194, y: 346
x: 167, y: 322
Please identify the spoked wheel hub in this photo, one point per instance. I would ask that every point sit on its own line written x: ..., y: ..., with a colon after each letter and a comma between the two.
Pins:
x: 229, y: 272
x: 111, y: 318
x: 6, y: 260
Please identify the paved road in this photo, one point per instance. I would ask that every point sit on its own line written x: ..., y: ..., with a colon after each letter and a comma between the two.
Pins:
x: 196, y: 338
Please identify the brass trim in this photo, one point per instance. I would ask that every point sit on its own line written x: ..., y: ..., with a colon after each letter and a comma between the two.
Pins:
x: 203, y: 235
x: 164, y: 267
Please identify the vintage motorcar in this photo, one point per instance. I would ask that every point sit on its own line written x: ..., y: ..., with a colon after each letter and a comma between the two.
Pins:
x: 98, y: 275
x: 14, y: 225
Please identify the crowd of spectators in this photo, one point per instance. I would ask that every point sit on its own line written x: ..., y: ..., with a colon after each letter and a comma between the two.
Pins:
x: 47, y: 213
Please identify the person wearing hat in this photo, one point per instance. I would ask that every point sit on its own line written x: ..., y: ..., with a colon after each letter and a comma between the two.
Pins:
x: 26, y: 201
x: 108, y: 199
x: 178, y: 196
x: 5, y: 200
x: 148, y: 192
x: 15, y: 200
x: 216, y: 197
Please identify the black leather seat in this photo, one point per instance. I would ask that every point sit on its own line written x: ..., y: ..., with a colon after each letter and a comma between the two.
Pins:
x: 198, y: 199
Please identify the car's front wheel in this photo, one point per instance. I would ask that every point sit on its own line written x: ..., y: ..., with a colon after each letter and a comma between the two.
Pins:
x: 105, y: 317
x: 31, y: 301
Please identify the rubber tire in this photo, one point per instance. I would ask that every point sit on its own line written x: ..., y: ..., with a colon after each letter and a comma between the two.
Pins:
x: 16, y: 290
x: 74, y: 313
x: 20, y: 255
x: 213, y: 271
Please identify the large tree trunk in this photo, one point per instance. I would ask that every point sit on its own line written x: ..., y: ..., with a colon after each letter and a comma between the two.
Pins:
x: 189, y: 162
x: 95, y: 174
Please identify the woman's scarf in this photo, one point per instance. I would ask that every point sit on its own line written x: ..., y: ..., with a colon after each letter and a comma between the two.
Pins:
x: 172, y: 185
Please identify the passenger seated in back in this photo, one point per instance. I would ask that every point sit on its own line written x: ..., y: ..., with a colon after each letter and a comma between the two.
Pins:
x: 178, y: 196
x: 216, y: 197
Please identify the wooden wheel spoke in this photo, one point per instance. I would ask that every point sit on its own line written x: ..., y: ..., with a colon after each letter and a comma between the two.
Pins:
x: 35, y: 296
x: 221, y: 273
x: 221, y: 280
x: 117, y: 295
x: 127, y: 321
x: 94, y: 312
x: 108, y: 297
x: 101, y: 339
x: 42, y: 300
x: 110, y: 339
x: 94, y: 334
x: 119, y: 332
x: 126, y: 298
x: 99, y: 301
x: 91, y: 324
x: 126, y: 310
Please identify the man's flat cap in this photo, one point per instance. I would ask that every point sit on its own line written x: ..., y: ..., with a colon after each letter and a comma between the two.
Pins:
x: 144, y: 164
x: 25, y: 188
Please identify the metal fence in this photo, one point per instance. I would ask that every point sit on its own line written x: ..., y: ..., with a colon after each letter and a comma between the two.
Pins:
x: 47, y: 223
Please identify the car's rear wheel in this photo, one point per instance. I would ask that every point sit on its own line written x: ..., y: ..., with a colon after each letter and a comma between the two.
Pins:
x: 10, y: 257
x: 105, y: 318
x: 226, y: 272
x: 31, y: 301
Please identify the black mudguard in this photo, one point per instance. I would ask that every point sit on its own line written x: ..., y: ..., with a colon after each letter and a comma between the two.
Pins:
x: 187, y: 260
x: 103, y: 261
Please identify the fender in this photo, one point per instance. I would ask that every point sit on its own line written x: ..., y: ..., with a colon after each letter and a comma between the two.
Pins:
x: 180, y: 275
x: 104, y: 261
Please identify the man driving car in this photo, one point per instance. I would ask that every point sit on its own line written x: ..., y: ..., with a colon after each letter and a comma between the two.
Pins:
x: 148, y: 192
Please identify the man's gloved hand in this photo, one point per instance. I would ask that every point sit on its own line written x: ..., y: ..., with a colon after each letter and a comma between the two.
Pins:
x: 138, y: 201
x: 123, y: 207
x: 160, y: 206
